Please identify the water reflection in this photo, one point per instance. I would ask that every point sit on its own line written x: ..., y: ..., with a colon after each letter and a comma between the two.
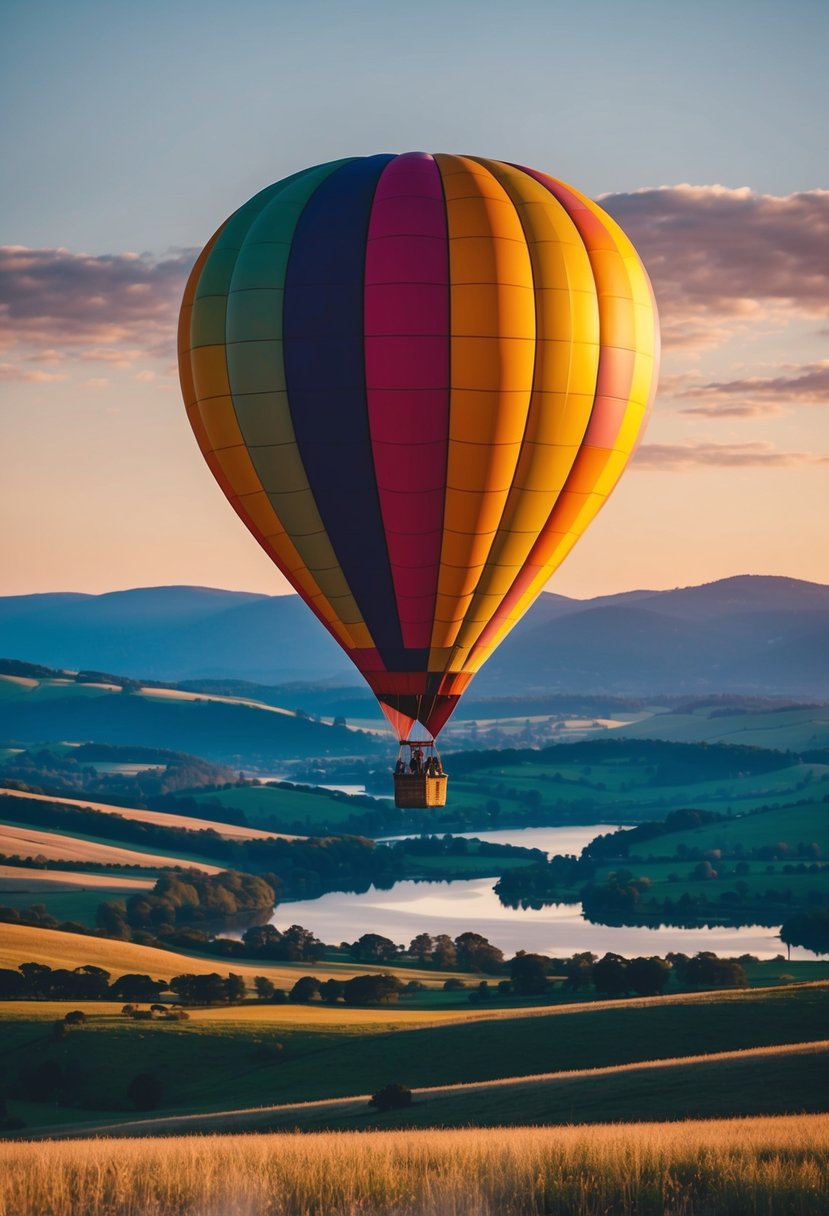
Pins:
x: 439, y: 907
x: 409, y: 908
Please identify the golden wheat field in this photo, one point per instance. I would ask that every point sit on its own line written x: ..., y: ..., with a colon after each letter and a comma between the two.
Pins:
x: 232, y: 831
x: 711, y: 1168
x: 31, y: 842
x: 56, y: 948
x: 22, y: 879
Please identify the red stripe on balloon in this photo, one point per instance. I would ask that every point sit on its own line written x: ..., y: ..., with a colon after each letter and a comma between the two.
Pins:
x: 406, y: 325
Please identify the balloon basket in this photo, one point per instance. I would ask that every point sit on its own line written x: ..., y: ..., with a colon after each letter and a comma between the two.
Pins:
x: 416, y: 790
x: 419, y: 779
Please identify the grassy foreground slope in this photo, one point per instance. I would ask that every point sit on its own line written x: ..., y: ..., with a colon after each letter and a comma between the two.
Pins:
x: 740, y: 1166
x: 210, y: 1065
x: 758, y: 1081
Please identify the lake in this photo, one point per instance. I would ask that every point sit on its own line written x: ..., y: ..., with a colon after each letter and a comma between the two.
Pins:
x: 409, y: 908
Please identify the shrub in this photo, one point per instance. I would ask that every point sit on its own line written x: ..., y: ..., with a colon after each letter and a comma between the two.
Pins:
x: 144, y: 1091
x: 391, y: 1097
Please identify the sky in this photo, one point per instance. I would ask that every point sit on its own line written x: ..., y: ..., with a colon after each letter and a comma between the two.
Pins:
x: 133, y: 130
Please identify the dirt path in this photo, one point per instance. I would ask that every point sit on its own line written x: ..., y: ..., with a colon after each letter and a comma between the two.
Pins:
x: 292, y: 1114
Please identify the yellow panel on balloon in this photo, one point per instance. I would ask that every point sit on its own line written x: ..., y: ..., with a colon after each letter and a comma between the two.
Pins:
x: 220, y: 422
x: 209, y: 367
x: 237, y: 467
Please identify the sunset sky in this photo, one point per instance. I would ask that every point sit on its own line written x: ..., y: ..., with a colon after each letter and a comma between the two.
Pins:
x: 136, y: 129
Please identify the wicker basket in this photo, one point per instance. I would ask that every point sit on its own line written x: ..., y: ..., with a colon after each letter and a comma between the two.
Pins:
x: 418, y: 790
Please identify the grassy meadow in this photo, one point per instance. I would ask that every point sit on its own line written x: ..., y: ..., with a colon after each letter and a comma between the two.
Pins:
x: 226, y: 1060
x: 703, y: 1168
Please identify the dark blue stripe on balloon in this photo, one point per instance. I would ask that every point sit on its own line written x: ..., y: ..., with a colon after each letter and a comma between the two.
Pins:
x: 325, y: 374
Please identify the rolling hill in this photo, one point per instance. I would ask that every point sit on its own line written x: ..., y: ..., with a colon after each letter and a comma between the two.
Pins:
x: 747, y: 634
x: 226, y: 730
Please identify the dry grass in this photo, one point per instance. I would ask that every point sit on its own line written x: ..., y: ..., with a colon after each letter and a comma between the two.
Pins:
x: 766, y: 1165
x: 24, y: 943
x: 29, y: 842
x: 252, y: 1017
x: 21, y: 879
x: 232, y: 831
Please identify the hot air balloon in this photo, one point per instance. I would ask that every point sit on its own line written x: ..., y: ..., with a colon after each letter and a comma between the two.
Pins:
x: 417, y: 378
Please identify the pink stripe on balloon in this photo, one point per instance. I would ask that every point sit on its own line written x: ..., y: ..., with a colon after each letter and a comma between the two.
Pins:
x: 406, y: 326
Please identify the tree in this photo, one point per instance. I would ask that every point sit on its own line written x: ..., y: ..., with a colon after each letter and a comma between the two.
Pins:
x: 371, y: 990
x: 264, y: 987
x: 706, y: 970
x: 111, y: 916
x: 137, y: 988
x: 235, y: 988
x: 475, y: 953
x: 372, y: 948
x: 12, y: 985
x: 391, y: 1097
x: 648, y: 976
x: 807, y: 929
x: 199, y: 989
x: 92, y: 983
x: 529, y: 973
x: 306, y: 989
x: 75, y: 1017
x: 444, y: 953
x: 144, y: 1091
x: 300, y: 945
x: 579, y: 971
x: 331, y: 991
x: 421, y: 947
x: 610, y: 975
x: 263, y: 941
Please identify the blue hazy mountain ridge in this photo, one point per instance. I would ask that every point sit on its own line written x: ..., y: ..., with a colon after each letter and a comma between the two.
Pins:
x: 747, y: 634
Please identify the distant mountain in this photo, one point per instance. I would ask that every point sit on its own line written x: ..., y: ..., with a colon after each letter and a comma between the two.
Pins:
x: 171, y: 633
x: 749, y: 634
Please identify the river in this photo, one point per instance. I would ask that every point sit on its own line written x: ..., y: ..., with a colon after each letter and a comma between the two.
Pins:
x: 409, y: 908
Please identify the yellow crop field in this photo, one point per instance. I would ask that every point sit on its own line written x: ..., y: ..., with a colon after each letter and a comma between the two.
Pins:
x: 769, y: 1164
x: 231, y: 830
x: 23, y: 944
x: 42, y: 882
x: 29, y: 842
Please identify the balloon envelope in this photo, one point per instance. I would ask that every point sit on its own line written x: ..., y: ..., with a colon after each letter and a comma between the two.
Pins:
x: 417, y: 379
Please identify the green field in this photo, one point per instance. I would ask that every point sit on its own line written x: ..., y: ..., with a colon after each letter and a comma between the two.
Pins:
x: 794, y: 730
x: 618, y: 791
x: 794, y: 824
x: 269, y: 806
x: 218, y: 1066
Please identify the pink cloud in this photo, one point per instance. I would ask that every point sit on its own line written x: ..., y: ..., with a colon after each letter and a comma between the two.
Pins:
x: 682, y: 457
x: 753, y: 396
x: 12, y: 371
x: 721, y: 261
x: 113, y: 308
x: 724, y: 259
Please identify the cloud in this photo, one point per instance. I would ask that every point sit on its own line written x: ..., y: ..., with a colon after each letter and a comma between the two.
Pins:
x: 754, y: 396
x: 12, y: 371
x: 723, y: 260
x: 681, y: 457
x: 112, y: 308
